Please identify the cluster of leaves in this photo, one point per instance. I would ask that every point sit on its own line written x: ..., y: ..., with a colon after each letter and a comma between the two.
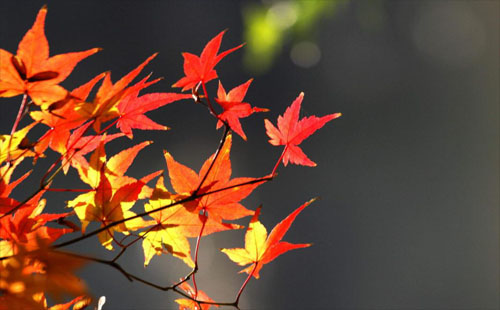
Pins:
x: 77, y: 129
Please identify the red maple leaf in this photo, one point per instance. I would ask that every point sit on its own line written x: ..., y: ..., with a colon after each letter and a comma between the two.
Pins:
x: 132, y: 108
x: 234, y: 107
x: 260, y: 248
x: 32, y: 71
x: 291, y: 132
x: 201, y: 69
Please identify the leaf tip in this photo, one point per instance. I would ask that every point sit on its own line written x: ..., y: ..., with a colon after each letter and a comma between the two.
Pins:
x: 256, y: 214
x: 167, y: 155
x: 313, y: 200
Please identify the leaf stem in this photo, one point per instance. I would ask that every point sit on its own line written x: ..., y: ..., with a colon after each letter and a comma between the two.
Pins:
x: 245, y: 284
x: 19, y: 114
x: 279, y: 161
x: 198, y: 241
x: 209, y: 103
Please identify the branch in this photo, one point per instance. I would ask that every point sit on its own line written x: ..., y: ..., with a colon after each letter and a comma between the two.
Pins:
x: 221, y: 144
x: 131, y: 277
x: 190, y: 198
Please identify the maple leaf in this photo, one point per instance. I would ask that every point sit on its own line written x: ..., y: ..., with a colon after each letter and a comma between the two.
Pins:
x: 201, y: 69
x: 77, y: 145
x: 32, y: 71
x: 6, y: 186
x: 234, y: 107
x: 188, y: 304
x: 80, y: 302
x: 114, y: 193
x: 131, y: 110
x: 39, y: 301
x: 16, y: 146
x: 223, y: 204
x: 260, y: 248
x: 26, y: 227
x: 114, y: 168
x: 291, y: 132
x: 173, y: 225
x: 104, y: 107
x: 61, y: 117
x: 30, y: 273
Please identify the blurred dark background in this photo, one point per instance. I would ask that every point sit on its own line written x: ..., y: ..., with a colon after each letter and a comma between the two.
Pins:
x: 408, y: 176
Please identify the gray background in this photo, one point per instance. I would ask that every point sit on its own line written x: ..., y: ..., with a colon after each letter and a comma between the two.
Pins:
x: 408, y: 176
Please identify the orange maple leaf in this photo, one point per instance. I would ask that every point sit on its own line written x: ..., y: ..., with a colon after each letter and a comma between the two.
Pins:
x: 26, y: 276
x: 104, y: 107
x: 188, y: 304
x: 223, y: 204
x: 6, y: 186
x: 61, y: 117
x: 173, y: 225
x: 27, y: 226
x: 32, y: 71
x: 260, y: 248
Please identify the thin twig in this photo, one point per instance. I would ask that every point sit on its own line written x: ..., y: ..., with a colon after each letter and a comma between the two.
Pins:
x: 190, y: 198
x: 187, y: 199
x: 20, y: 114
x: 132, y: 277
x: 245, y: 284
x: 221, y: 144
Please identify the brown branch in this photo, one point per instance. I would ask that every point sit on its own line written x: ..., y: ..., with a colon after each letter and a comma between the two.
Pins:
x: 190, y: 198
x: 131, y: 277
x: 221, y: 144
